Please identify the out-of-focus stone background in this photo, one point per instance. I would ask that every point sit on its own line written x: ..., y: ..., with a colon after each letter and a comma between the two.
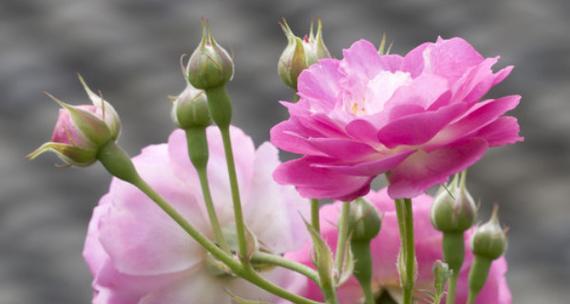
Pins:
x: 130, y: 51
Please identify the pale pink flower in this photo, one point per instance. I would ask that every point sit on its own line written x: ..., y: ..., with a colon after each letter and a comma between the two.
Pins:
x: 137, y: 254
x: 385, y: 248
x: 417, y: 117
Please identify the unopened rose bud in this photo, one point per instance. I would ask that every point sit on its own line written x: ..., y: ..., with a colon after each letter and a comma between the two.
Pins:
x: 453, y: 212
x: 80, y: 131
x: 454, y: 209
x: 300, y: 53
x: 210, y: 66
x: 364, y: 224
x: 364, y: 221
x: 490, y: 240
x: 190, y: 109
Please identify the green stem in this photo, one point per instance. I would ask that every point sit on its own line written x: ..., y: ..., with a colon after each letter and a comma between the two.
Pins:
x: 363, y: 268
x: 253, y: 277
x: 451, y: 289
x: 238, y: 213
x: 315, y: 221
x: 329, y: 292
x: 478, y: 276
x: 214, y: 221
x: 342, y: 236
x: 197, y: 142
x: 453, y: 252
x: 406, y: 224
x: 276, y: 260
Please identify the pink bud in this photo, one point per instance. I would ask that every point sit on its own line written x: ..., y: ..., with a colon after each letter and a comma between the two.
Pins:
x: 81, y: 130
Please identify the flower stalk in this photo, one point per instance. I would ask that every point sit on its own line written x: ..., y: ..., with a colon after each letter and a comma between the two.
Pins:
x: 315, y: 220
x: 407, y: 263
x: 198, y: 151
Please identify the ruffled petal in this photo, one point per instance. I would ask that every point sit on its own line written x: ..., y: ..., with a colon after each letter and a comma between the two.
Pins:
x: 423, y: 170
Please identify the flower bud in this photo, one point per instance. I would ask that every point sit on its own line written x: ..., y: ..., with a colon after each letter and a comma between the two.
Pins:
x: 490, y: 240
x: 454, y: 209
x: 80, y: 131
x: 441, y: 274
x: 210, y: 66
x: 190, y: 109
x: 364, y: 221
x: 300, y: 53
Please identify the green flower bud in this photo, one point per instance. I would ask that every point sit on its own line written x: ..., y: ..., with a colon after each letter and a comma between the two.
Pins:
x: 190, y: 109
x: 300, y: 53
x: 454, y: 209
x: 210, y: 66
x: 441, y: 274
x: 364, y: 221
x: 490, y: 240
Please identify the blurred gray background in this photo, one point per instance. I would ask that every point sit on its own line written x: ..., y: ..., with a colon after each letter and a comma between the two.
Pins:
x: 130, y: 51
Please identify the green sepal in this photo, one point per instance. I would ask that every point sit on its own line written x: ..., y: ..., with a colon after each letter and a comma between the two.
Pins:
x: 69, y: 154
x: 109, y: 115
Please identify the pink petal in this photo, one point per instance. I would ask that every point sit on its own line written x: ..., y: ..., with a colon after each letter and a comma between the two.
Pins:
x: 281, y: 205
x: 368, y: 168
x: 343, y: 148
x: 450, y: 58
x: 361, y: 129
x: 423, y: 170
x: 413, y: 62
x: 319, y: 84
x: 418, y: 128
x: 199, y: 287
x: 287, y: 136
x: 313, y: 182
x: 362, y: 58
x: 502, y: 131
x: 478, y: 117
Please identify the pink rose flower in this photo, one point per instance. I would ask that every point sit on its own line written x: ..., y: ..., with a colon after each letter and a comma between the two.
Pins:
x: 418, y: 118
x: 137, y: 254
x: 385, y: 248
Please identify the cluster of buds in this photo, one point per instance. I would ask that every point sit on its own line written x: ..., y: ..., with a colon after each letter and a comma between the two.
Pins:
x: 453, y: 213
x: 300, y: 53
x: 82, y: 131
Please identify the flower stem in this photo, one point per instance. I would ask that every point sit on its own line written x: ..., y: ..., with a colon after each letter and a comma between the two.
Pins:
x: 406, y: 223
x: 197, y: 142
x: 451, y: 289
x: 363, y: 268
x: 276, y: 260
x: 342, y: 236
x: 315, y: 221
x: 238, y: 213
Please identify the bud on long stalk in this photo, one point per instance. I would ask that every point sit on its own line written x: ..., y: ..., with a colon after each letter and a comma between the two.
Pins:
x: 364, y: 225
x: 453, y: 212
x: 489, y: 242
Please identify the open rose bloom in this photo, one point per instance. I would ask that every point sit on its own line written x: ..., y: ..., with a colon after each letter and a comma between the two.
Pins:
x: 417, y: 117
x: 138, y: 254
x: 385, y: 248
